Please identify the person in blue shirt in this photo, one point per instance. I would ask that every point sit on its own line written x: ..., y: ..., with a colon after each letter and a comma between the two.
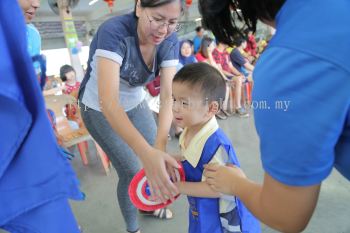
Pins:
x: 198, y: 90
x: 197, y: 40
x: 240, y: 62
x: 307, y: 65
x: 186, y: 55
x: 36, y: 178
x: 127, y: 52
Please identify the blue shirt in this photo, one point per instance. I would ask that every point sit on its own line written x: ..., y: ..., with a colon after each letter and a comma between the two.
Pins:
x: 307, y: 63
x: 237, y: 59
x: 196, y: 44
x: 33, y: 170
x: 213, y: 215
x: 34, y: 40
x: 34, y: 44
x: 118, y: 41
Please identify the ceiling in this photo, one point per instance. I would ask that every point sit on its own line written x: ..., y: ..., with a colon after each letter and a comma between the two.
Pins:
x: 97, y: 11
x: 88, y: 18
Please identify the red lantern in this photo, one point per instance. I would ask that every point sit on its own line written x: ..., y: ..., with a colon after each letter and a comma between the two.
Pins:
x: 110, y: 4
x: 188, y: 3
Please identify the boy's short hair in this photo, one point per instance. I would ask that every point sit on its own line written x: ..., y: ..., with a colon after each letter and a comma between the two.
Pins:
x: 205, y: 76
x: 199, y: 28
x: 64, y: 70
x: 239, y: 41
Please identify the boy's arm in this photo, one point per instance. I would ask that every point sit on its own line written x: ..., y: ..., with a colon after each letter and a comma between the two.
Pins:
x: 202, y: 189
x: 197, y: 189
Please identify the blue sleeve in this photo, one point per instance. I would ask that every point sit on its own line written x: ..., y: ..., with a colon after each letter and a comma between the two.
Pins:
x: 301, y: 104
x: 168, y: 52
x: 33, y: 171
x: 15, y: 119
x: 17, y: 124
x: 110, y: 43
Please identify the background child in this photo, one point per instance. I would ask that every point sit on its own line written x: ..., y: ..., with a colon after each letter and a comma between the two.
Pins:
x: 205, y: 51
x: 197, y: 92
x: 68, y: 76
x: 71, y: 87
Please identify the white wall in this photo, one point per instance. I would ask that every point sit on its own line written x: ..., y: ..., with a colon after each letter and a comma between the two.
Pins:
x: 58, y: 57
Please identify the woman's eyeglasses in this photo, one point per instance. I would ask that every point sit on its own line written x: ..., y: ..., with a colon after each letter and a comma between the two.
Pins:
x: 157, y: 24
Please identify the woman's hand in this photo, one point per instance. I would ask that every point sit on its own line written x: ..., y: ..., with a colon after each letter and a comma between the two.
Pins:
x: 222, y: 178
x: 154, y: 162
x: 170, y: 169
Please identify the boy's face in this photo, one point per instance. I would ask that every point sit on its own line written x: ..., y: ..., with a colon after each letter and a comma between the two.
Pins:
x: 189, y: 107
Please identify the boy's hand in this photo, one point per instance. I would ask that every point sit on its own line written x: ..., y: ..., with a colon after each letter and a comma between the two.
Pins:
x: 178, y: 186
x: 223, y: 178
x: 172, y: 173
x: 171, y: 170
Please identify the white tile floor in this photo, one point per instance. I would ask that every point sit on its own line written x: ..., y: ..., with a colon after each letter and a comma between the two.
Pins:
x: 99, y: 213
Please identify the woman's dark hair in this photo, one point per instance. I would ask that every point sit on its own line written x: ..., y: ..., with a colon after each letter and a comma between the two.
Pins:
x: 204, y: 76
x: 206, y: 41
x: 64, y: 70
x: 156, y: 3
x: 218, y: 18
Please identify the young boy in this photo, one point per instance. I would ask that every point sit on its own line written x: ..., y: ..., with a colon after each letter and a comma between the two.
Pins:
x: 198, y: 90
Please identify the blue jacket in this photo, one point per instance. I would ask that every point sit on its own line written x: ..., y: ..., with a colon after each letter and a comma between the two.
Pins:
x: 204, y: 216
x: 32, y: 169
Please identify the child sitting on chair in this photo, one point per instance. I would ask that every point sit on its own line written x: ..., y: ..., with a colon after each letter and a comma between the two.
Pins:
x: 71, y: 87
x: 68, y: 76
x: 198, y: 90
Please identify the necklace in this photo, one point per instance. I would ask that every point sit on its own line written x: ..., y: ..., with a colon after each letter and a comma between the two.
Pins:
x: 151, y: 62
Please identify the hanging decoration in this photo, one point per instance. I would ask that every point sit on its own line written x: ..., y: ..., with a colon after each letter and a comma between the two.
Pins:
x: 110, y: 4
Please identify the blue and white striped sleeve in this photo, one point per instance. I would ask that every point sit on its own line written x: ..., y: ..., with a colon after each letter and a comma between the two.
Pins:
x: 110, y: 44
